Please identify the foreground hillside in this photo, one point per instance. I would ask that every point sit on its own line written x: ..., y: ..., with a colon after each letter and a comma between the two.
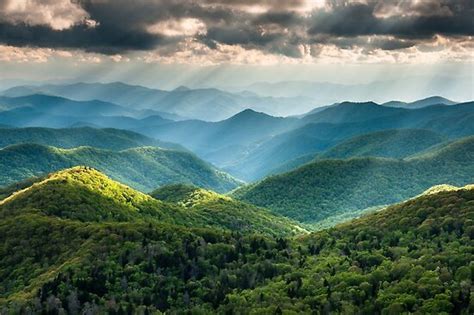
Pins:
x: 325, y: 188
x: 134, y: 257
x: 93, y: 197
x: 143, y: 168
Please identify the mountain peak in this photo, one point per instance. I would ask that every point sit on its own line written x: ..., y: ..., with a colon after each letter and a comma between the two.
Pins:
x: 182, y: 88
x: 91, y: 196
x: 433, y: 100
x: 246, y: 113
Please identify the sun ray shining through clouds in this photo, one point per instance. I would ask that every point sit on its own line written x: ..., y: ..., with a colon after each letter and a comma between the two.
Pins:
x: 236, y: 157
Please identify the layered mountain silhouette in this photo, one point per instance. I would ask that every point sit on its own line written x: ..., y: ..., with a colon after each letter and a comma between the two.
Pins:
x: 205, y: 104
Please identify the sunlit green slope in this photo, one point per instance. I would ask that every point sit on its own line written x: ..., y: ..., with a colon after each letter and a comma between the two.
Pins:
x: 225, y: 211
x: 415, y: 257
x: 326, y: 188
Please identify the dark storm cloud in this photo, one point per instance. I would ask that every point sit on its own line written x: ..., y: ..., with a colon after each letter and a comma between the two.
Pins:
x: 100, y: 39
x: 277, y: 27
x: 355, y: 19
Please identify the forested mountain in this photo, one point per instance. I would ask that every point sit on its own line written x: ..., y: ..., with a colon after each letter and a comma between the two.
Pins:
x: 112, y: 139
x: 430, y: 101
x: 114, y: 250
x: 325, y: 188
x: 144, y: 168
x: 349, y: 112
x: 398, y: 143
x: 93, y: 197
x: 31, y: 117
x: 297, y: 146
x: 225, y: 211
x: 55, y: 105
x: 231, y: 136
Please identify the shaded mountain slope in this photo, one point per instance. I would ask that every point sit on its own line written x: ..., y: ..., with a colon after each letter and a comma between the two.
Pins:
x: 243, y: 129
x: 398, y: 143
x: 348, y: 112
x: 56, y: 105
x: 113, y: 139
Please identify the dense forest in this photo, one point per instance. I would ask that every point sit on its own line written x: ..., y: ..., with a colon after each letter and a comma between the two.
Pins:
x: 325, y: 188
x: 121, y: 252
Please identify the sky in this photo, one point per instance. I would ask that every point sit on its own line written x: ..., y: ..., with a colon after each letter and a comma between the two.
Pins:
x: 235, y: 42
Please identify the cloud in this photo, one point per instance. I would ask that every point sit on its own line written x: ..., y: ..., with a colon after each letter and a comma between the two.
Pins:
x: 57, y: 14
x: 292, y: 29
x: 415, y: 20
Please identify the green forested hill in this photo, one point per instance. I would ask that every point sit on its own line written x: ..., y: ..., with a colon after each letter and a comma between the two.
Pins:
x: 398, y: 143
x: 92, y: 196
x: 225, y: 211
x: 411, y: 258
x: 143, y: 168
x: 328, y: 187
x: 112, y: 139
x: 415, y: 257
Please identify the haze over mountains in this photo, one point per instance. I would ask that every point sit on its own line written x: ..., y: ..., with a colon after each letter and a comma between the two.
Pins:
x: 146, y: 209
x: 204, y: 104
x: 409, y: 88
x: 249, y: 144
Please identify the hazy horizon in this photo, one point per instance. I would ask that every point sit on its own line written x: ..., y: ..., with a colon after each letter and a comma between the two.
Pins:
x: 232, y: 45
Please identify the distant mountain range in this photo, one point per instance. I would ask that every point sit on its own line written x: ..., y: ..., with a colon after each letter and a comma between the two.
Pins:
x: 203, y: 104
x: 318, y: 132
x: 434, y: 100
x: 381, y: 91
